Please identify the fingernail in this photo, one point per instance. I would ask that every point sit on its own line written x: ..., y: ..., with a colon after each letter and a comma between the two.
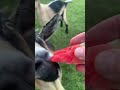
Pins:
x: 80, y: 53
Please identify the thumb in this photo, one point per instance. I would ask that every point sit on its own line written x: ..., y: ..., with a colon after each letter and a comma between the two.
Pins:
x: 80, y: 53
x: 107, y: 64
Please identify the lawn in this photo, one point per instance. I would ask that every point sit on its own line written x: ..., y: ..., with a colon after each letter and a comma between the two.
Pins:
x: 72, y: 80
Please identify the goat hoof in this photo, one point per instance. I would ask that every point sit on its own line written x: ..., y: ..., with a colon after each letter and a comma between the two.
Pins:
x: 66, y: 32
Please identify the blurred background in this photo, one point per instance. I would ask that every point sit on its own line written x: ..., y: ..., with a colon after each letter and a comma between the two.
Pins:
x: 7, y: 7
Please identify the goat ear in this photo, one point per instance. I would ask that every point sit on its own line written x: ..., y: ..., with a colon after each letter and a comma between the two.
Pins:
x: 49, y: 29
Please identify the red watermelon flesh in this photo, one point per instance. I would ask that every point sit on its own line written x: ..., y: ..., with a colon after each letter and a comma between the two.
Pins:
x: 67, y: 56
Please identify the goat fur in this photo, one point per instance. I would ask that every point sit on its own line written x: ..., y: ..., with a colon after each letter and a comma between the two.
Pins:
x: 48, y: 75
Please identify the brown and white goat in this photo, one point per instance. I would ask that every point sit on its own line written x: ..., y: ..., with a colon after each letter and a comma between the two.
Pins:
x: 48, y: 75
x: 46, y: 12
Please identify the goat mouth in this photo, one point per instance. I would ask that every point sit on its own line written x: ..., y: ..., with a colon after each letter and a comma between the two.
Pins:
x: 36, y: 76
x: 47, y: 71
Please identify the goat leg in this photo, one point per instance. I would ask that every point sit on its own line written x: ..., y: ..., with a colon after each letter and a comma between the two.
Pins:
x: 61, y: 23
x: 65, y: 20
x: 62, y: 20
x: 66, y: 31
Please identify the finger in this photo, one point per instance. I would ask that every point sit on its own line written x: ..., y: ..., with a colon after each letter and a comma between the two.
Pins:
x: 80, y: 53
x: 106, y: 31
x: 80, y: 38
x: 107, y: 64
x: 80, y: 68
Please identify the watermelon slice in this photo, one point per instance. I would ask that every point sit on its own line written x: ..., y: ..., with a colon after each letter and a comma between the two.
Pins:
x: 67, y: 56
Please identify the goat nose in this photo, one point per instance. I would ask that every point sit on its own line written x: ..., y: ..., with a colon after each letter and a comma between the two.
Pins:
x: 43, y: 55
x: 49, y: 56
x: 40, y: 59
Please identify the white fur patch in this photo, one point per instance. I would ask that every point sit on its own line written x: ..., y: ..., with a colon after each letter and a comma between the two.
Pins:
x: 56, y: 85
x: 40, y: 50
x: 68, y: 1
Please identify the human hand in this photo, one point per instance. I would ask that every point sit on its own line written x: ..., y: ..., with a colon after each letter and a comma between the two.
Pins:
x: 103, y: 55
x: 80, y: 51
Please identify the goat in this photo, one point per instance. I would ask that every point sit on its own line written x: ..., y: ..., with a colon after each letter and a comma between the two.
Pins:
x: 48, y: 75
x: 46, y: 12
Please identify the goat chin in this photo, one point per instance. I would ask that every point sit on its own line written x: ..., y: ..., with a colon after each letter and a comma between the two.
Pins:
x: 56, y: 85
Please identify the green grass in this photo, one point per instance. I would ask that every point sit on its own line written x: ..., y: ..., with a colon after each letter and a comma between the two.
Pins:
x: 72, y: 80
